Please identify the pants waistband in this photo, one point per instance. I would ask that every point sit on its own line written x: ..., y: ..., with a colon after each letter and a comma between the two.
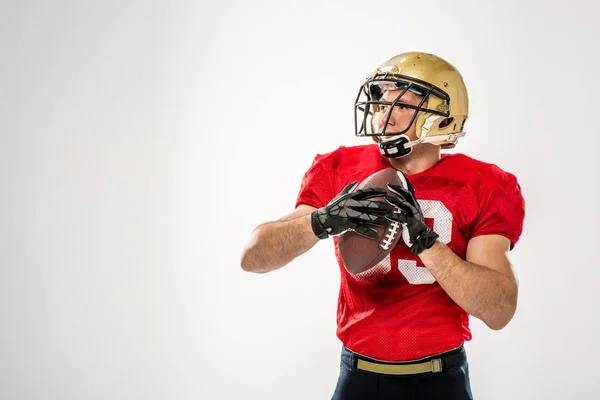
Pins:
x: 432, y: 364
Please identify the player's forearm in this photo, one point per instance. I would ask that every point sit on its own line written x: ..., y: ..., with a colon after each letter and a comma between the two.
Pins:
x: 275, y: 244
x: 480, y: 291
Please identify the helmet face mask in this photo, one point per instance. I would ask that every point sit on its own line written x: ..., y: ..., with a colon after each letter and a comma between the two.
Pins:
x: 439, y: 116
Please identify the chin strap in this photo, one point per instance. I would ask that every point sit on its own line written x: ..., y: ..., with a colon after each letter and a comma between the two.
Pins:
x: 395, y: 148
x: 403, y: 146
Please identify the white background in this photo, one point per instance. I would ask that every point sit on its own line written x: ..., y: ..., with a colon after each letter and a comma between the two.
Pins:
x: 142, y: 141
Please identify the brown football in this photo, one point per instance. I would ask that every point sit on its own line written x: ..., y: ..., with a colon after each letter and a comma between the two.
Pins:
x: 359, y: 253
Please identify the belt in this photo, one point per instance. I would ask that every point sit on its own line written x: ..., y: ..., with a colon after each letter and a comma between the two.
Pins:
x: 434, y: 365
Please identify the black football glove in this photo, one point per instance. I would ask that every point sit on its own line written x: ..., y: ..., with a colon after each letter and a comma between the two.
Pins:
x: 416, y: 233
x: 351, y: 210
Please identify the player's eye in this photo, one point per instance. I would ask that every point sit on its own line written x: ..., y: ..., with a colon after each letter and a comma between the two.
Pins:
x: 383, y: 108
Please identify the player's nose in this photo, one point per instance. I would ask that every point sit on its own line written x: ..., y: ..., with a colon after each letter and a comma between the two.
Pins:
x: 383, y: 117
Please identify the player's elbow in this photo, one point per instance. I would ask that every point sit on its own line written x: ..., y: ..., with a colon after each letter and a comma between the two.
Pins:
x: 502, y: 315
x: 250, y: 260
x: 497, y: 323
x: 249, y: 264
x: 246, y: 262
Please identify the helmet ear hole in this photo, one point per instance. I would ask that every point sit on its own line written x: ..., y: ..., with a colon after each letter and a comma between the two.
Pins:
x: 446, y: 122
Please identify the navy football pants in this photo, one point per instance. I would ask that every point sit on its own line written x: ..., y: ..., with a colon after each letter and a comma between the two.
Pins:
x: 452, y: 383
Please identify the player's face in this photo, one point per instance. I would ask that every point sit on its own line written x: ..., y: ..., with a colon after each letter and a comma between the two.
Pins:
x: 400, y: 117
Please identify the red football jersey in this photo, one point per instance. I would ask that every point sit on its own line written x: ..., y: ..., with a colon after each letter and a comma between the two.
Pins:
x: 397, y: 311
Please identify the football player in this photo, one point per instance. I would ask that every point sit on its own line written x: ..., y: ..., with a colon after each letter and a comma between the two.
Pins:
x: 403, y: 329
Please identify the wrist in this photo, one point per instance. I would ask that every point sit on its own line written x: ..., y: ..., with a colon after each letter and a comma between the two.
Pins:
x: 424, y: 242
x: 317, y: 227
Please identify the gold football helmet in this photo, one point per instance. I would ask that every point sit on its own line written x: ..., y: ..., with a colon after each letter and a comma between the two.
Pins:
x: 444, y: 102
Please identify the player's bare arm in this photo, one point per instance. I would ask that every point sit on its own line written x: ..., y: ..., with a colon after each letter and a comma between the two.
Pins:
x: 275, y: 244
x: 484, y: 284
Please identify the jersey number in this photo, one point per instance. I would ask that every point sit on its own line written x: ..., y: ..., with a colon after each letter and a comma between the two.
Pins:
x: 442, y: 225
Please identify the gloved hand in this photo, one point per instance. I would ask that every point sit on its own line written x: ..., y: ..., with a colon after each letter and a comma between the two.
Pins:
x: 351, y: 210
x: 416, y: 233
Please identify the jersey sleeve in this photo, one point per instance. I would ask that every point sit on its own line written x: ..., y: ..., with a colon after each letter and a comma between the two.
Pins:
x: 501, y: 209
x: 316, y: 187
